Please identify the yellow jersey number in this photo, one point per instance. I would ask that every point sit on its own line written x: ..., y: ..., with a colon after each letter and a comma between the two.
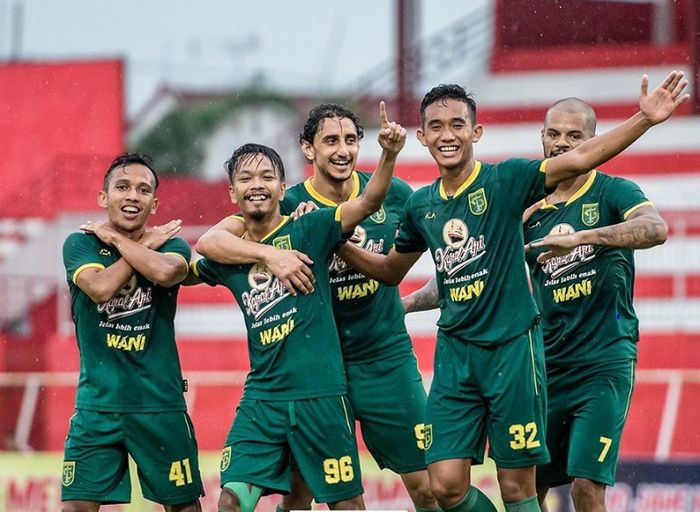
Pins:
x: 524, y: 436
x: 180, y: 472
x: 338, y: 470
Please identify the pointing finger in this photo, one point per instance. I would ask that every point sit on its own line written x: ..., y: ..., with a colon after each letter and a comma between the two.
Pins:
x: 382, y: 115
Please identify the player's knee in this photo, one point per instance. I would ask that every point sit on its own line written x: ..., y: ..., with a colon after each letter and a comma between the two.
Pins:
x: 448, y: 490
x: 587, y: 491
x: 418, y: 488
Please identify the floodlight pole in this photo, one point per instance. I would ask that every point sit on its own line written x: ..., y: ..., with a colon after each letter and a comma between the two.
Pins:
x: 407, y: 60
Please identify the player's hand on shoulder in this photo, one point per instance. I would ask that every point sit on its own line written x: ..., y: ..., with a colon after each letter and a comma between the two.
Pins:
x: 392, y: 136
x: 154, y: 237
x: 293, y: 268
x: 302, y: 209
x: 101, y: 230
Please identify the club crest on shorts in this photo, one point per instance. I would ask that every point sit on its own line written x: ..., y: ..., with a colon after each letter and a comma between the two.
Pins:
x: 427, y: 436
x: 590, y: 214
x: 68, y: 474
x: 283, y: 242
x: 455, y: 233
x: 379, y: 216
x: 225, y: 458
x: 477, y: 202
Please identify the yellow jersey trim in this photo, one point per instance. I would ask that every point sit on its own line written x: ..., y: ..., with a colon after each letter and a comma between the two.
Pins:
x: 83, y: 267
x: 337, y: 215
x: 543, y: 165
x: 194, y: 267
x: 584, y: 188
x: 635, y: 208
x: 329, y: 202
x: 285, y: 219
x: 180, y: 256
x: 464, y: 186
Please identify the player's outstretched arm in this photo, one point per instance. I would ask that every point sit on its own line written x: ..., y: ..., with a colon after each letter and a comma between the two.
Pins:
x: 654, y: 108
x: 223, y: 243
x: 389, y: 269
x: 392, y: 137
x: 423, y: 299
x: 160, y: 268
x: 644, y: 228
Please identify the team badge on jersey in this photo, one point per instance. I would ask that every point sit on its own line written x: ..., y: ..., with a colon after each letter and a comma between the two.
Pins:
x: 282, y: 242
x: 225, y: 459
x: 590, y: 214
x: 455, y: 233
x: 68, y: 473
x: 359, y: 236
x: 379, y: 216
x: 477, y: 202
x: 259, y: 277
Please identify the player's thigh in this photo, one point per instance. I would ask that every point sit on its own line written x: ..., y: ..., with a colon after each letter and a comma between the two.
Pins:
x: 597, y: 428
x: 95, y: 463
x: 322, y: 440
x: 455, y: 416
x: 256, y: 450
x: 512, y: 379
x: 164, y: 447
x: 388, y: 399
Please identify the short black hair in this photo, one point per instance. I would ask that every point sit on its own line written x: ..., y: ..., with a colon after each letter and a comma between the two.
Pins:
x: 328, y: 111
x: 444, y: 92
x: 124, y: 159
x: 248, y: 151
x: 574, y: 105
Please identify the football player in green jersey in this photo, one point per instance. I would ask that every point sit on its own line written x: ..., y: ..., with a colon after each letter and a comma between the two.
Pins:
x: 294, y: 400
x: 376, y: 347
x: 489, y: 361
x: 123, y: 280
x: 581, y: 239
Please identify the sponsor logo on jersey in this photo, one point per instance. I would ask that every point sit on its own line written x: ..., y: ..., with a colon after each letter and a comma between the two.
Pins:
x: 105, y: 252
x: 338, y: 267
x: 131, y: 299
x: 225, y: 459
x: 590, y: 215
x: 461, y: 249
x: 266, y: 291
x: 379, y: 217
x: 68, y: 474
x: 561, y: 264
x: 478, y: 202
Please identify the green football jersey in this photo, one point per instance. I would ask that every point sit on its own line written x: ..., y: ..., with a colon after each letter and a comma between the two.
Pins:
x: 128, y: 357
x: 292, y: 340
x: 369, y: 315
x: 476, y: 240
x: 586, y: 296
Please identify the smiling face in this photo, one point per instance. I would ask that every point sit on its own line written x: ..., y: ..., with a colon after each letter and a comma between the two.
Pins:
x: 449, y: 133
x: 564, y: 131
x: 334, y: 149
x: 257, y: 187
x: 130, y: 197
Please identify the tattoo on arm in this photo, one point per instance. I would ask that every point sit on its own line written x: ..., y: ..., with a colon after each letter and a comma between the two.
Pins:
x: 422, y: 300
x: 638, y: 232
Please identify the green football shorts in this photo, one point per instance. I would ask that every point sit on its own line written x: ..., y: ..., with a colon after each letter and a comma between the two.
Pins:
x: 96, y: 466
x: 388, y: 399
x: 586, y: 414
x: 495, y: 392
x: 318, y: 433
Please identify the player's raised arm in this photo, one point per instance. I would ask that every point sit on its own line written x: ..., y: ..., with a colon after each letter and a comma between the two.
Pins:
x: 654, y: 108
x: 223, y: 243
x: 392, y: 137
